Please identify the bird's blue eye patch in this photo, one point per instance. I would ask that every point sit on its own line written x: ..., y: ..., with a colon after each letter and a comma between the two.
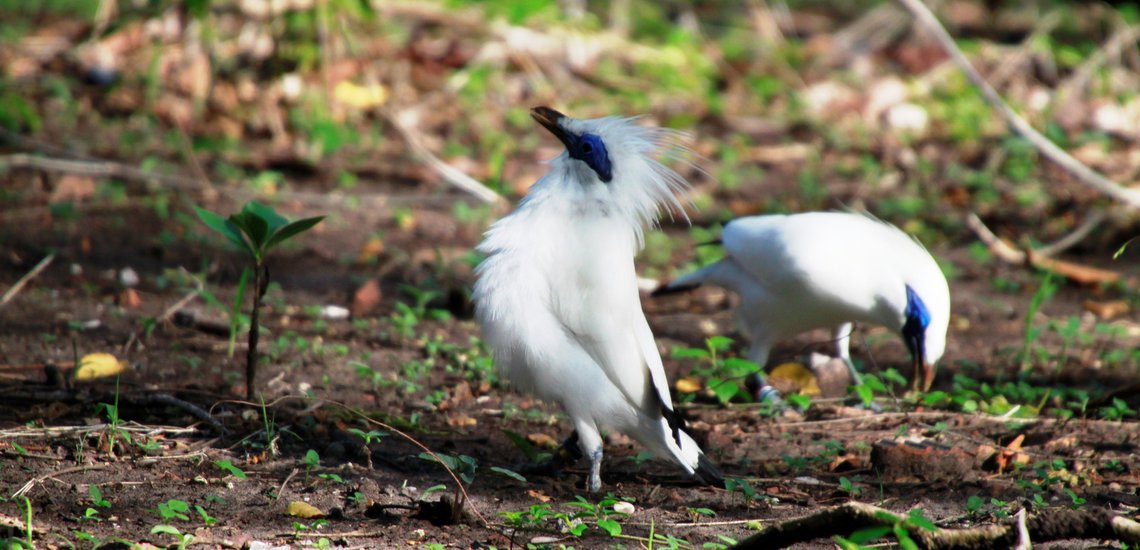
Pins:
x: 916, y: 312
x: 590, y: 149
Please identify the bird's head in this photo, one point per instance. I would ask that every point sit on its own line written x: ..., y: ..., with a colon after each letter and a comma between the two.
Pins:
x: 583, y: 140
x: 925, y: 336
x: 612, y: 159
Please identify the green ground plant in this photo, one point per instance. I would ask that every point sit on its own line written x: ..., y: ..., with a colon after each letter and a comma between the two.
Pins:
x: 256, y: 229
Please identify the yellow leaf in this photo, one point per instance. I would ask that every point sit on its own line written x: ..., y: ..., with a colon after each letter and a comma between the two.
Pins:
x: 688, y: 385
x: 361, y: 97
x: 98, y: 365
x: 304, y: 510
x: 797, y: 377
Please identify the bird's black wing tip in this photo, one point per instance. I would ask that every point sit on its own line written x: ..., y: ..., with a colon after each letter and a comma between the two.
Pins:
x: 708, y: 473
x: 669, y: 288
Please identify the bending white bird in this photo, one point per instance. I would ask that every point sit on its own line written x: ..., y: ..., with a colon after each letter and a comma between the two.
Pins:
x: 557, y: 295
x: 800, y: 272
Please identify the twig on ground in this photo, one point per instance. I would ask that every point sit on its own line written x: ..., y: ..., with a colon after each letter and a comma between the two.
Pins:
x: 59, y: 431
x: 1014, y: 60
x: 1022, y: 531
x: 1039, y: 259
x: 870, y: 32
x: 16, y: 288
x: 1003, y: 250
x: 1071, y: 89
x: 171, y: 401
x: 453, y: 175
x: 1075, y: 236
x: 98, y: 168
x: 1082, y: 173
x: 39, y: 479
x: 1055, y: 524
x: 281, y: 489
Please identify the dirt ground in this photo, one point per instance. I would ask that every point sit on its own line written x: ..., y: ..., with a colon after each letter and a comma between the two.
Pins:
x: 57, y: 443
x: 1034, y: 406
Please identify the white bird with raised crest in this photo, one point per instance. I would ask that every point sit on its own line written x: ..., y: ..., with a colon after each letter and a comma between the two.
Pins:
x: 557, y: 296
x: 800, y: 272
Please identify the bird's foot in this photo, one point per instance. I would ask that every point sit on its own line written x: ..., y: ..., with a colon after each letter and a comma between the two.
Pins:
x: 594, y: 482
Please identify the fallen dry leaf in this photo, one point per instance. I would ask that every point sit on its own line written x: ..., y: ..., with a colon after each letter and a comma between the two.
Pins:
x: 73, y: 188
x: 129, y: 298
x: 360, y: 97
x: 303, y: 510
x: 1011, y: 454
x: 794, y: 377
x: 460, y: 420
x: 688, y: 385
x: 371, y: 249
x: 541, y: 440
x: 366, y: 298
x: 538, y: 495
x: 1083, y: 274
x: 98, y: 365
x: 1106, y: 311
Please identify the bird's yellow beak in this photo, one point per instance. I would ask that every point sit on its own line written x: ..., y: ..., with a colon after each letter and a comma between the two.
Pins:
x: 923, y: 375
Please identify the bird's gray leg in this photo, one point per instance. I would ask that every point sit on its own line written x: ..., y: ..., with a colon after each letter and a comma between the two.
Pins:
x: 843, y: 349
x: 590, y: 442
x: 757, y: 383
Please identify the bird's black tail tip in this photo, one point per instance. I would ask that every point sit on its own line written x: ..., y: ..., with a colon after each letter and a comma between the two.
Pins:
x: 707, y: 473
x: 669, y: 288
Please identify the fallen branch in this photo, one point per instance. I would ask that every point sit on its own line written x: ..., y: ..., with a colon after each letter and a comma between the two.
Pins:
x: 23, y: 490
x: 11, y: 293
x: 1072, y: 87
x: 451, y: 174
x: 98, y: 168
x: 1040, y: 258
x: 1053, y: 524
x: 1082, y: 173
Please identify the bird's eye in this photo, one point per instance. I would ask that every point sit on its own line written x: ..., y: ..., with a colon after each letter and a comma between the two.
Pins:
x: 587, y: 148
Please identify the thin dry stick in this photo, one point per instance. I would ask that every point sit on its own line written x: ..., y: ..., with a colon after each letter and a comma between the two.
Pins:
x: 999, y: 247
x: 1054, y: 524
x: 453, y: 175
x: 1075, y: 237
x: 1082, y: 173
x: 458, y: 483
x: 1015, y: 60
x: 97, y: 168
x: 11, y: 293
x: 38, y: 479
x: 1071, y: 88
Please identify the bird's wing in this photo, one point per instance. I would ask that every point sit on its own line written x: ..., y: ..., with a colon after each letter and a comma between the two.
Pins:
x: 657, y: 379
x: 627, y: 353
x: 758, y: 245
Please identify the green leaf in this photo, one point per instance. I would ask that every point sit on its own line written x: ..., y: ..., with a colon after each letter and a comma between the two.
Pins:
x: 273, y: 220
x: 690, y: 353
x: 868, y: 534
x: 1122, y: 248
x: 522, y: 444
x: 165, y: 530
x: 725, y: 390
x: 223, y: 226
x: 513, y: 475
x: 291, y: 229
x: 917, y: 518
x: 719, y: 343
x: 255, y: 227
x: 610, y: 526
